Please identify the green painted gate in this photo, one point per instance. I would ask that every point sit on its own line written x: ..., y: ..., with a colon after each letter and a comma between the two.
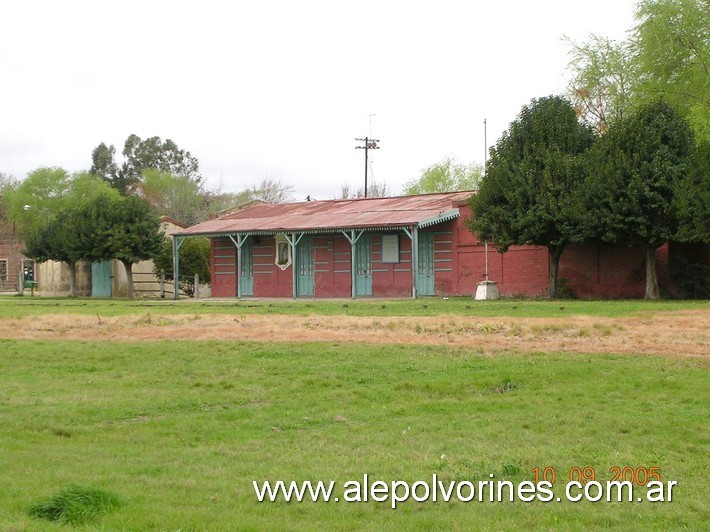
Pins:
x: 425, y: 271
x: 363, y: 265
x: 101, y: 279
x: 304, y: 267
x: 246, y: 269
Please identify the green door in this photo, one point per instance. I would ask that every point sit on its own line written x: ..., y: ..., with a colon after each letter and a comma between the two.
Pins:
x: 363, y: 265
x: 101, y: 279
x: 246, y: 269
x: 425, y: 271
x: 304, y: 267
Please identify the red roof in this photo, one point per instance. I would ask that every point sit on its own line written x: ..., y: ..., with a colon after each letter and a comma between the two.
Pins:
x: 332, y: 215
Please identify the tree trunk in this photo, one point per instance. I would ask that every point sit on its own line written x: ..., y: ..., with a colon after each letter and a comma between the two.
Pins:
x: 652, y: 291
x: 72, y: 278
x: 555, y: 252
x: 129, y: 279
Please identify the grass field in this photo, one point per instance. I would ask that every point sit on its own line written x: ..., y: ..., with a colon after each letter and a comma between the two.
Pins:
x: 16, y: 307
x: 177, y: 430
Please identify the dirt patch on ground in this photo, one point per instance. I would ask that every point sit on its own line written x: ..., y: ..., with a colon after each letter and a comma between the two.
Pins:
x: 684, y: 333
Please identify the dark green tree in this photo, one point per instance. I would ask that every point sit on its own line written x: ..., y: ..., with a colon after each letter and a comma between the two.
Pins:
x: 103, y: 163
x: 56, y: 239
x: 154, y: 153
x: 528, y: 194
x: 194, y: 260
x: 644, y: 183
x: 693, y: 197
x: 124, y: 229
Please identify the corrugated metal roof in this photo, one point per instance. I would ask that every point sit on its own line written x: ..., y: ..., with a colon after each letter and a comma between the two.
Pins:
x: 332, y: 215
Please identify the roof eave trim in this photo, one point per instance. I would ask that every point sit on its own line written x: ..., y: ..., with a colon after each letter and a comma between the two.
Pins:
x: 444, y: 216
x: 321, y: 230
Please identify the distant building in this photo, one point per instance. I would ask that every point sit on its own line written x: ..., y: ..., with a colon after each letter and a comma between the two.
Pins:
x: 14, y: 267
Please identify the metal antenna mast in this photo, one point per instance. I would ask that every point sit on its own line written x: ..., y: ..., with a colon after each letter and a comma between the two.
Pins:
x: 370, y: 144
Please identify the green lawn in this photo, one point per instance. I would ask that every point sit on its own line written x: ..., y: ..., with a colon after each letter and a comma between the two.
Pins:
x: 17, y: 307
x: 178, y: 431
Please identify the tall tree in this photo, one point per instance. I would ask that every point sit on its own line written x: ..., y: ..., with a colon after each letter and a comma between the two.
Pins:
x: 667, y: 55
x: 47, y: 191
x: 57, y: 239
x: 103, y: 164
x: 6, y: 180
x: 672, y: 55
x: 447, y: 175
x: 602, y: 87
x: 642, y: 176
x: 176, y: 196
x: 154, y: 153
x: 528, y: 193
x: 124, y: 229
x: 141, y: 155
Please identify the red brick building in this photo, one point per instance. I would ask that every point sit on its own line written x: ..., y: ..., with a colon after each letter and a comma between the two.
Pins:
x: 14, y: 266
x: 394, y: 247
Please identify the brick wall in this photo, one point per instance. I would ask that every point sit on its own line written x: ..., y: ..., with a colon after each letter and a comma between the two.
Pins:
x: 588, y: 270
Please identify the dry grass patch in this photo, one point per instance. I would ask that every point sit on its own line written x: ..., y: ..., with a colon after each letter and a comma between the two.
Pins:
x: 679, y: 333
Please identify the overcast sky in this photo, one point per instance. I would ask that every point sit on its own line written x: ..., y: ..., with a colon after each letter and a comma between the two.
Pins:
x: 281, y: 89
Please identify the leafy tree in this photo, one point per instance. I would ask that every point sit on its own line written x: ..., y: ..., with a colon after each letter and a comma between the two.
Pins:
x: 642, y: 178
x: 194, y: 260
x: 140, y: 155
x: 672, y: 54
x: 56, y: 239
x: 176, y: 196
x: 219, y: 203
x: 693, y: 197
x: 6, y: 180
x: 103, y: 163
x: 154, y: 153
x: 47, y: 191
x: 601, y: 90
x: 271, y: 190
x: 445, y: 176
x: 528, y: 193
x: 124, y: 229
x: 667, y: 55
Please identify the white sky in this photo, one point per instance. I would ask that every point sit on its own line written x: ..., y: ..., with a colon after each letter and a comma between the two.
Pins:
x: 278, y: 88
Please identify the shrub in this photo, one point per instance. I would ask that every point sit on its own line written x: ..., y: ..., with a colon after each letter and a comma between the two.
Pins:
x: 692, y: 279
x: 74, y: 505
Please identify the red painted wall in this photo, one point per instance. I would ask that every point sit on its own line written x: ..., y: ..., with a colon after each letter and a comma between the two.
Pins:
x: 331, y: 258
x: 223, y: 258
x: 589, y: 270
x: 391, y: 279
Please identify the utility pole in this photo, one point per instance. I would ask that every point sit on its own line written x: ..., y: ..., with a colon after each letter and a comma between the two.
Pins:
x: 370, y: 144
x: 485, y: 160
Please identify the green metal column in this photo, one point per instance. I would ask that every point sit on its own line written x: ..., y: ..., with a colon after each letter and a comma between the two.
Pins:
x: 177, y: 242
x: 238, y: 244
x: 293, y: 241
x: 353, y: 264
x: 415, y: 260
x: 353, y: 259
